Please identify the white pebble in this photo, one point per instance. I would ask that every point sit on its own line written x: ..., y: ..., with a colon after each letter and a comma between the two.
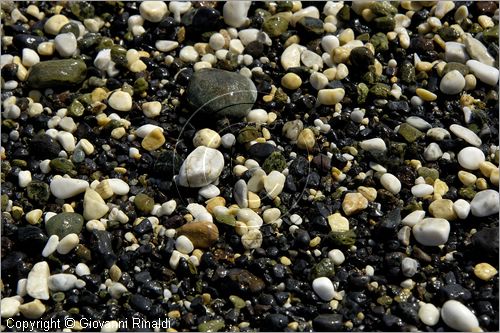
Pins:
x: 409, y: 267
x: 216, y: 41
x: 466, y: 134
x: 336, y: 256
x: 62, y: 282
x: 188, y: 54
x: 235, y: 13
x: 166, y: 45
x: 209, y: 191
x: 258, y: 116
x: 65, y: 44
x: 30, y: 57
x: 228, y: 140
x: 68, y: 243
x: 64, y: 188
x: 24, y: 178
x: 485, y: 203
x: 120, y: 101
x: 38, y: 284
x: 470, y: 158
x: 461, y: 208
x: 428, y: 314
x: 323, y: 287
x: 421, y: 190
x: 452, y: 83
x: 153, y: 11
x: 391, y: 183
x: 184, y: 245
x: 459, y: 317
x: 485, y: 73
x: 51, y: 246
x: 413, y: 218
x: 82, y: 269
x: 432, y: 231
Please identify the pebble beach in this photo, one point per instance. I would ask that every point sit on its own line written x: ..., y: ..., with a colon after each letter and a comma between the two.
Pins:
x: 249, y: 166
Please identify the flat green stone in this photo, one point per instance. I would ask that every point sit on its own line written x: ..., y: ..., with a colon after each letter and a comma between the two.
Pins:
x: 275, y: 25
x: 61, y: 165
x: 247, y: 134
x: 385, y: 23
x: 211, y: 326
x: 64, y: 224
x: 380, y: 42
x: 57, y: 73
x: 380, y: 90
x: 426, y: 172
x: 342, y: 238
x: 325, y: 268
x: 410, y: 133
x: 362, y: 90
x: 275, y: 161
x: 238, y: 302
x: 383, y: 8
x: 38, y: 191
x: 144, y: 202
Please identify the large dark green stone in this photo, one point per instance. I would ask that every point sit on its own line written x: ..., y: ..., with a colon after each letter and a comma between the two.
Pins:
x: 64, y: 224
x: 218, y: 93
x: 57, y: 73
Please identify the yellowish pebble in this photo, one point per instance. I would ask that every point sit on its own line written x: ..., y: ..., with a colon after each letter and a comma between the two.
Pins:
x: 285, y: 261
x: 253, y: 200
x: 153, y: 140
x: 494, y: 177
x: 120, y: 170
x: 306, y: 139
x: 291, y: 81
x: 485, y: 271
x: 481, y: 184
x: 487, y: 168
x: 338, y: 222
x: 369, y: 193
x: 174, y: 314
x: 214, y: 202
x: 67, y: 208
x: 423, y: 66
x: 118, y: 133
x: 440, y: 187
x: 443, y: 208
x: 330, y: 73
x: 33, y: 217
x: 467, y: 178
x: 315, y: 241
x: 426, y: 95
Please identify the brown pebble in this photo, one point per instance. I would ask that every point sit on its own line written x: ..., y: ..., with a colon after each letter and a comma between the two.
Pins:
x: 201, y: 234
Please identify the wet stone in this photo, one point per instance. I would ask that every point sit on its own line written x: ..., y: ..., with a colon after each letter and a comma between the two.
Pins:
x: 64, y: 224
x: 57, y: 73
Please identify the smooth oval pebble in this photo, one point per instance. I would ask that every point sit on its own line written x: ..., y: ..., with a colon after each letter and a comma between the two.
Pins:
x: 466, y: 134
x: 391, y: 183
x: 428, y: 314
x: 323, y: 286
x: 422, y: 190
x: 458, y: 316
x: 452, y: 83
x: 432, y: 231
x: 470, y: 158
x: 485, y: 203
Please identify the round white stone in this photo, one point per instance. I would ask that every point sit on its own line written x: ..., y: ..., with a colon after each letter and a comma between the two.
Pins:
x: 373, y: 145
x: 68, y: 243
x: 461, y: 208
x: 466, y: 134
x: 184, y: 245
x: 413, y: 218
x: 9, y: 307
x: 64, y: 188
x: 258, y: 116
x: 202, y: 166
x: 470, y: 158
x: 24, y: 178
x: 209, y: 191
x: 151, y: 109
x: 240, y: 193
x: 428, y: 314
x: 452, y: 83
x: 485, y: 203
x: 251, y: 218
x: 82, y: 269
x: 65, y: 44
x: 456, y: 52
x: 409, y: 267
x: 274, y: 183
x: 252, y: 239
x: 120, y: 101
x: 188, y: 54
x: 228, y: 140
x: 329, y: 43
x: 391, y: 183
x: 271, y: 214
x: 323, y: 286
x: 432, y: 231
x: 216, y: 41
x: 336, y: 256
x: 330, y: 96
x: 458, y: 316
x: 422, y: 190
x: 153, y: 11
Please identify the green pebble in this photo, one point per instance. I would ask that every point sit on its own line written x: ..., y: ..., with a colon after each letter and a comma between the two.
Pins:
x: 463, y: 69
x: 324, y: 268
x: 238, y: 302
x: 490, y: 35
x: 311, y: 25
x: 88, y: 40
x: 64, y: 224
x: 384, y: 300
x: 380, y: 90
x: 38, y: 191
x: 426, y: 172
x: 226, y: 219
x: 344, y: 13
x: 57, y: 73
x: 119, y: 55
x: 280, y: 96
x: 83, y: 253
x: 342, y: 238
x: 362, y: 90
x: 275, y: 25
x: 262, y: 13
x: 95, y: 81
x: 467, y: 192
x: 144, y: 202
x: 140, y: 85
x: 284, y: 6
x: 380, y: 42
x: 58, y: 297
x: 407, y: 72
x: 211, y: 326
x: 247, y: 134
x: 4, y: 202
x: 383, y: 8
x: 71, y: 27
x: 364, y: 37
x: 275, y: 161
x: 19, y: 163
x: 410, y: 133
x: 385, y: 23
x: 105, y: 43
x: 82, y: 10
x: 61, y: 165
x: 448, y: 34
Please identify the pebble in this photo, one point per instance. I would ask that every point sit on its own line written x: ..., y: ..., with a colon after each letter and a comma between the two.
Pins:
x: 65, y: 44
x: 461, y: 208
x: 184, y: 245
x: 306, y: 139
x: 208, y: 192
x: 432, y: 231
x: 57, y: 73
x: 240, y: 193
x: 478, y: 51
x: 219, y: 93
x: 201, y: 234
x: 432, y: 152
x: 9, y: 307
x: 51, y: 246
x: 311, y: 60
x: 466, y: 134
x: 323, y: 287
x: 274, y: 183
x: 32, y: 310
x: 120, y: 101
x: 485, y: 203
x: 428, y: 314
x: 442, y: 208
x: 188, y: 54
x: 421, y: 190
x: 485, y: 271
x: 291, y: 56
x: 330, y: 96
x: 228, y: 140
x: 485, y: 73
x: 217, y: 41
x: 67, y: 244
x: 208, y: 138
x: 154, y: 140
x: 470, y: 158
x: 94, y: 206
x: 24, y: 178
x: 292, y: 129
x: 82, y: 269
x: 153, y: 11
x: 459, y: 317
x: 252, y: 239
x: 338, y: 223
x: 336, y: 256
x: 55, y: 23
x: 354, y: 203
x: 409, y: 267
x: 235, y: 13
x: 38, y: 281
x: 63, y: 224
x: 375, y: 145
x: 318, y: 80
x: 166, y: 45
x: 202, y: 167
x: 456, y: 52
x: 452, y: 83
x: 258, y: 116
x: 391, y: 183
x: 118, y: 186
x: 144, y: 130
x: 329, y: 43
x: 30, y: 57
x: 62, y: 282
x: 291, y: 81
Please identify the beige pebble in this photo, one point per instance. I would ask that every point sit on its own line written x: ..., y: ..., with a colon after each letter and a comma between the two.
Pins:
x: 467, y: 178
x: 485, y: 271
x: 208, y: 138
x: 443, y: 208
x: 253, y: 200
x: 481, y: 184
x: 215, y: 202
x: 354, y: 203
x: 153, y: 140
x: 55, y: 23
x: 285, y: 261
x: 306, y: 139
x: 487, y: 168
x: 291, y: 81
x: 338, y: 222
x: 33, y: 217
x: 426, y: 95
x: 369, y: 193
x: 330, y: 96
x: 470, y: 82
